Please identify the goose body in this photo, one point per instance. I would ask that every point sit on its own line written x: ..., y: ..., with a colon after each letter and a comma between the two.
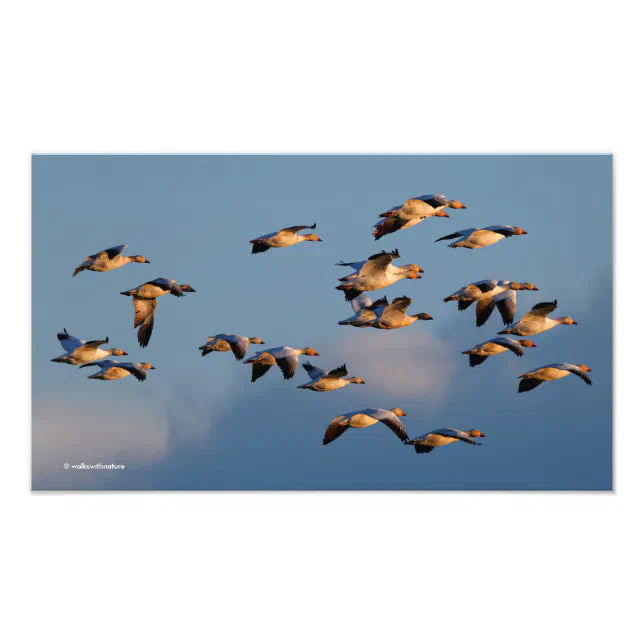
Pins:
x: 364, y: 311
x: 537, y: 321
x: 113, y: 370
x: 238, y: 344
x: 282, y: 238
x: 366, y: 418
x: 108, y: 260
x: 481, y: 352
x: 394, y: 316
x: 322, y: 380
x: 145, y: 303
x: 482, y: 237
x: 555, y: 371
x: 438, y: 437
x: 375, y: 273
x: 285, y: 358
x: 489, y: 294
x: 80, y: 352
x: 412, y: 212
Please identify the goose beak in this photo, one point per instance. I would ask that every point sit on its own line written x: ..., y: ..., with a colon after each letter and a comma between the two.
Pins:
x: 404, y: 414
x: 575, y: 322
x: 147, y: 261
x: 442, y: 213
x: 125, y: 353
x: 482, y: 436
x: 420, y: 270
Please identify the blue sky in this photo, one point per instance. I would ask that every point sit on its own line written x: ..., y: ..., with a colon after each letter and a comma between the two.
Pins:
x: 198, y: 423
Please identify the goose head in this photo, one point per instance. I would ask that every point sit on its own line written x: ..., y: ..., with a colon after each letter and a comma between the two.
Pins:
x: 119, y: 352
x: 397, y: 411
x: 454, y: 203
x: 519, y: 231
x: 147, y: 366
x: 475, y: 433
x: 527, y: 343
x: 356, y: 381
x: 255, y: 341
x: 424, y: 316
x: 527, y: 286
x: 186, y: 288
x: 583, y: 367
x: 310, y: 352
x: 311, y: 237
x: 139, y: 259
x: 567, y: 320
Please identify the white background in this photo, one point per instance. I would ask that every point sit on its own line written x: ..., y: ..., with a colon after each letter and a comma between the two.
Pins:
x: 336, y: 76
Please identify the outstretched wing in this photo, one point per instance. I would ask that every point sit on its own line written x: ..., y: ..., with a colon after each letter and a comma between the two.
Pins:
x: 134, y: 368
x: 391, y: 420
x: 527, y: 384
x: 296, y: 229
x: 288, y: 365
x: 506, y: 302
x: 360, y: 302
x: 144, y: 318
x: 542, y: 309
x: 485, y: 285
x: 579, y: 372
x: 400, y: 304
x: 69, y: 342
x: 463, y: 304
x: 103, y: 364
x: 314, y: 372
x: 337, y: 373
x: 508, y: 343
x: 94, y: 344
x: 477, y: 360
x: 484, y: 309
x: 379, y: 261
x: 459, y: 233
x: 455, y: 433
x: 110, y: 253
x: 259, y: 369
x: 239, y: 347
x: 336, y: 428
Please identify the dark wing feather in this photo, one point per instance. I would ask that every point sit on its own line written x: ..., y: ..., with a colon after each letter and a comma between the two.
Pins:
x: 400, y: 304
x: 259, y: 369
x: 464, y: 304
x: 239, y: 350
x: 422, y: 449
x: 388, y: 226
x: 484, y: 309
x: 452, y: 236
x: 295, y: 229
x: 288, y: 366
x: 477, y: 360
x: 527, y: 384
x: 259, y: 247
x: 333, y: 431
x: 338, y: 372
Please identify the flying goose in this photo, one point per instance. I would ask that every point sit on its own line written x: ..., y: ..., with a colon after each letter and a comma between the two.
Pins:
x: 375, y: 273
x: 322, y: 380
x: 282, y: 238
x: 145, y: 303
x: 394, y: 315
x: 488, y: 294
x: 481, y: 352
x: 481, y: 237
x: 365, y: 310
x: 284, y: 357
x: 412, y: 212
x: 366, y: 418
x: 437, y: 437
x: 238, y: 344
x: 553, y: 371
x: 80, y: 352
x: 108, y: 260
x: 113, y: 370
x: 536, y: 320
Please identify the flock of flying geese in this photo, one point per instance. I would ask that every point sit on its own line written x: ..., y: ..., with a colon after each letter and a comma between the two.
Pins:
x: 376, y: 272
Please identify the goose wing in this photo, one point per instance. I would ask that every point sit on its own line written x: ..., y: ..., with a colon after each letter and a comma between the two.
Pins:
x: 510, y: 344
x: 288, y: 365
x: 391, y: 420
x: 361, y: 302
x: 506, y: 231
x: 296, y: 229
x: 314, y: 372
x: 69, y: 342
x: 144, y: 318
x: 134, y: 368
x: 573, y: 368
x: 400, y: 304
x: 506, y: 303
x: 485, y: 285
x: 94, y: 344
x: 460, y: 233
x: 455, y: 433
x: 484, y: 309
x: 337, y: 373
x: 110, y: 253
x: 103, y: 364
x: 336, y: 428
x: 379, y: 262
x: 239, y: 346
x: 542, y: 309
